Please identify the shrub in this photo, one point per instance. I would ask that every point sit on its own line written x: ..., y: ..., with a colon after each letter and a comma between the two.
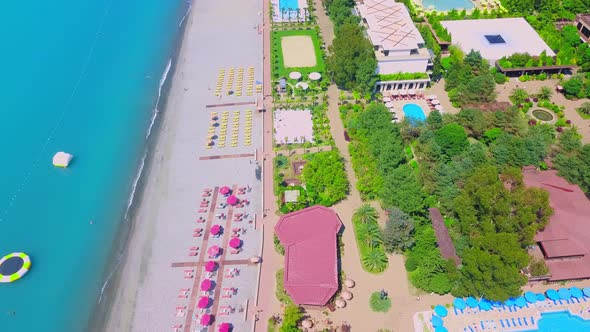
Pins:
x: 499, y: 78
x: 538, y: 268
x: 380, y: 302
x: 411, y: 264
x: 280, y: 292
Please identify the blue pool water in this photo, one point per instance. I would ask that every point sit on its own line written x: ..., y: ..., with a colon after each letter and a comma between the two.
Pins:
x: 414, y: 112
x: 444, y: 5
x: 561, y: 321
x: 288, y: 4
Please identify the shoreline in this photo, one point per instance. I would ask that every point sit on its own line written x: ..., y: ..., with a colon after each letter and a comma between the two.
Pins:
x: 114, y: 273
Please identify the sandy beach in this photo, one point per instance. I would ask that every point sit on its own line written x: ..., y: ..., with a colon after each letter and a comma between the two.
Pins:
x: 150, y: 283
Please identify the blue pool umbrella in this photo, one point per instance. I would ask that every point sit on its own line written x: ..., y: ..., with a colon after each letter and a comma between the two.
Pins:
x: 564, y: 293
x: 440, y: 329
x: 471, y: 302
x: 541, y: 297
x: 530, y: 297
x: 520, y: 302
x: 587, y: 291
x: 436, y: 321
x: 441, y: 311
x: 576, y: 292
x: 485, y: 305
x: 509, y: 302
x: 459, y: 303
x: 552, y: 294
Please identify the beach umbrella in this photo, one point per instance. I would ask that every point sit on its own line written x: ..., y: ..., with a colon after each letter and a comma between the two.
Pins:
x: 302, y: 85
x: 394, y: 93
x: 224, y: 190
x: 471, y: 302
x: 314, y: 76
x: 206, y: 319
x: 459, y: 303
x: 346, y: 295
x: 440, y: 329
x: 412, y: 91
x: 438, y: 107
x: 203, y: 302
x: 430, y: 97
x: 541, y: 297
x: 485, y: 305
x: 435, y: 102
x: 576, y: 292
x: 530, y: 297
x: 509, y: 302
x: 307, y: 324
x: 206, y: 285
x: 214, y: 251
x: 496, y: 304
x: 436, y: 321
x: 564, y: 293
x: 216, y: 229
x: 389, y: 104
x: 441, y: 311
x: 294, y: 75
x: 235, y: 243
x: 340, y: 303
x: 386, y: 99
x: 225, y: 327
x: 587, y: 291
x: 210, y: 266
x: 232, y: 200
x: 349, y: 283
x: 403, y: 92
x: 552, y: 294
x: 520, y: 302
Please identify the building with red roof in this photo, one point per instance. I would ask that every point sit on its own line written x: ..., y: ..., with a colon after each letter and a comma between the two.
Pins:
x: 311, y: 254
x: 565, y: 241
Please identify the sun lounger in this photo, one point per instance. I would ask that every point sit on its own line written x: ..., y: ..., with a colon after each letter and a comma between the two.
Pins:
x: 197, y: 234
x: 519, y: 322
x: 481, y: 324
x: 502, y: 323
x: 192, y: 253
x: 532, y: 320
x: 202, y: 210
x: 525, y: 321
x: 513, y: 321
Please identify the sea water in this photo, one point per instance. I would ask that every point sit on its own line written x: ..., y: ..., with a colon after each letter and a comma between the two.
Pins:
x: 82, y: 77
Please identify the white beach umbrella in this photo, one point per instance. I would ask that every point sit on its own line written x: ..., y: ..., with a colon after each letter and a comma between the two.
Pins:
x: 395, y: 93
x: 412, y: 91
x: 430, y: 97
x: 295, y: 75
x: 389, y: 104
x: 435, y: 102
x: 438, y: 107
x: 307, y: 324
x: 403, y: 92
x: 340, y: 303
x: 346, y: 295
x: 314, y: 76
x: 386, y: 99
x: 302, y: 85
x: 349, y: 283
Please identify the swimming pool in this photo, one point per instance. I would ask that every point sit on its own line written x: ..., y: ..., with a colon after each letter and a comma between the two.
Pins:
x: 561, y: 321
x: 444, y: 5
x: 414, y: 112
x: 288, y: 4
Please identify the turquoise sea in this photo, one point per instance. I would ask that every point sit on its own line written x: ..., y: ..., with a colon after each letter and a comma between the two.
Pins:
x: 82, y: 77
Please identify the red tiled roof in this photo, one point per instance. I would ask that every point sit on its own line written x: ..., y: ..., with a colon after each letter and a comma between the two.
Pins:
x: 567, y: 235
x: 311, y: 256
x: 443, y: 239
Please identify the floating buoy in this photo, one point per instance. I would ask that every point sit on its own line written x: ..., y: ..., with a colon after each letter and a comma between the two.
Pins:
x: 62, y: 159
x: 14, y: 266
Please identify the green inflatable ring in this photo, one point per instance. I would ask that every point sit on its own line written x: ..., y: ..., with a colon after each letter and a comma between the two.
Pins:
x: 14, y: 266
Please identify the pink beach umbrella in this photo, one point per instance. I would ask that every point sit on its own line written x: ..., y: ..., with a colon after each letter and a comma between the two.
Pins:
x: 210, y: 266
x: 214, y: 251
x: 235, y: 243
x: 225, y: 327
x: 203, y: 302
x: 216, y: 229
x: 232, y: 200
x: 206, y: 285
x: 224, y: 190
x: 206, y: 319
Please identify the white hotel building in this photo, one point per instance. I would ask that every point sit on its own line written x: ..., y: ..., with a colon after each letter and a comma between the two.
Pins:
x: 399, y: 47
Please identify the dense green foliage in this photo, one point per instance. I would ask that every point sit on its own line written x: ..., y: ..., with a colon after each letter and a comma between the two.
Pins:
x: 521, y: 60
x: 402, y: 76
x: 578, y: 86
x: 469, y: 79
x: 280, y: 292
x: 291, y: 318
x: 369, y: 239
x: 398, y: 234
x: 325, y: 178
x: 573, y: 161
x: 379, y: 303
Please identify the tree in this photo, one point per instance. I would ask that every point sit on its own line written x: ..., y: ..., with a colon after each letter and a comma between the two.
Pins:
x: 370, y: 234
x: 291, y: 318
x: 518, y: 96
x: 573, y: 87
x: 585, y: 108
x: 452, y: 139
x: 401, y: 189
x: 375, y: 260
x: 399, y: 231
x: 545, y: 93
x: 325, y: 178
x: 491, y: 135
x: 366, y: 214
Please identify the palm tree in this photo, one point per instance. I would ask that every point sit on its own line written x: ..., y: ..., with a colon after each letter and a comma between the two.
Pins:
x: 519, y: 95
x: 370, y: 235
x: 545, y: 93
x: 366, y: 214
x: 375, y: 260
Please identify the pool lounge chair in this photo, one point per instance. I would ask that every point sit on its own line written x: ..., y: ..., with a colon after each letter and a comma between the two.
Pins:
x: 519, y: 322
x: 507, y: 322
x: 513, y: 321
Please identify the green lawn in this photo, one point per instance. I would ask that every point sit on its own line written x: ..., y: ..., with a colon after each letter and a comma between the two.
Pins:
x: 278, y: 67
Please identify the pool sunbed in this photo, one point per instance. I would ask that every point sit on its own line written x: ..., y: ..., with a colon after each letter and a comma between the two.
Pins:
x: 513, y: 321
x: 502, y: 323
x: 532, y: 320
x: 519, y: 322
x: 481, y: 324
x: 508, y: 322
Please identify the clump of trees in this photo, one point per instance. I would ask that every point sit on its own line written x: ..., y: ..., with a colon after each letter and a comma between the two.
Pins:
x: 469, y: 79
x: 325, y: 179
x: 369, y: 237
x: 573, y: 160
x: 578, y: 86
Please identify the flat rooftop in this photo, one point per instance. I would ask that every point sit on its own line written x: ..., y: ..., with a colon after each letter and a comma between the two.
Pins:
x: 496, y: 38
x: 390, y: 25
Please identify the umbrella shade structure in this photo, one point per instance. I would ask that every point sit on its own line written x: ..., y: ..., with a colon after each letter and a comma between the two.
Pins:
x: 225, y: 190
x: 203, y: 302
x: 307, y: 324
x: 214, y: 251
x: 235, y: 243
x: 541, y: 297
x: 302, y: 85
x: 430, y: 97
x: 403, y: 92
x: 471, y: 302
x: 436, y: 321
x: 62, y: 159
x: 509, y: 302
x: 485, y: 305
x: 435, y: 102
x: 395, y: 93
x: 346, y: 295
x: 441, y: 311
x: 233, y: 200
x: 294, y: 75
x: 349, y: 283
x: 440, y: 329
x: 412, y: 91
x: 206, y: 319
x: 340, y: 303
x: 14, y: 266
x: 520, y: 302
x: 216, y: 229
x: 225, y: 327
x: 587, y: 291
x: 438, y: 107
x: 552, y: 294
x: 314, y: 76
x: 459, y: 303
x: 386, y: 99
x: 210, y: 266
x: 388, y: 104
x: 576, y: 292
x: 564, y: 293
x: 530, y: 297
x: 206, y: 285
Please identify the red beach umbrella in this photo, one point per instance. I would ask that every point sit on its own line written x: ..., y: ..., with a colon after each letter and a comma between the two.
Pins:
x: 235, y: 243
x: 224, y: 190
x: 225, y: 327
x: 210, y: 266
x: 203, y: 302
x: 216, y: 229
x: 214, y: 251
x: 206, y: 319
x: 206, y: 285
x: 232, y: 200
